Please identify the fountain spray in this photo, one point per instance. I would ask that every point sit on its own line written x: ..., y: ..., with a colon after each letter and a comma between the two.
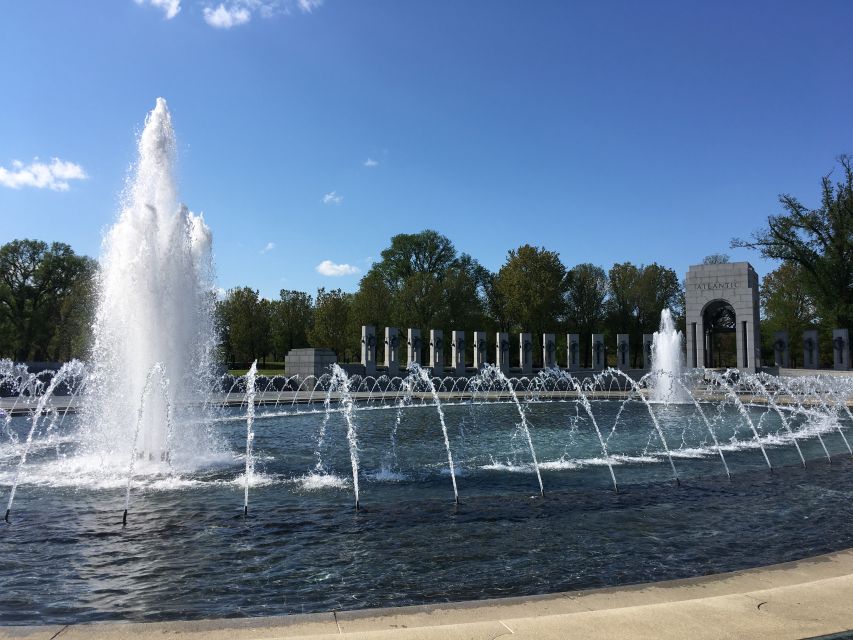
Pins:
x: 250, y: 432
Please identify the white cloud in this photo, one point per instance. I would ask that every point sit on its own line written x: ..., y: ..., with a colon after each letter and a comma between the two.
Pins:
x: 332, y: 198
x: 232, y: 13
x: 270, y: 246
x: 329, y: 268
x: 370, y: 162
x: 309, y: 5
x: 223, y: 17
x: 170, y: 7
x: 40, y: 175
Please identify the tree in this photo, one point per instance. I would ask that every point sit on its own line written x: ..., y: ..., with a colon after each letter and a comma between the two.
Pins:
x: 658, y: 288
x: 623, y: 303
x: 819, y: 241
x: 586, y: 291
x: 787, y: 306
x: 532, y: 282
x: 36, y: 280
x: 717, y: 258
x: 421, y: 282
x: 292, y: 315
x: 72, y: 333
x: 637, y: 297
x: 245, y: 318
x: 331, y: 321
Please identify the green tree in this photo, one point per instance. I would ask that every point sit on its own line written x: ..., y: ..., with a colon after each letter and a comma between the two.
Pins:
x: 787, y: 306
x: 35, y: 281
x: 637, y: 297
x: 422, y: 282
x: 717, y: 258
x: 72, y: 333
x: 819, y: 241
x: 292, y: 315
x: 533, y: 285
x: 586, y: 292
x: 245, y: 320
x: 622, y: 306
x: 331, y: 327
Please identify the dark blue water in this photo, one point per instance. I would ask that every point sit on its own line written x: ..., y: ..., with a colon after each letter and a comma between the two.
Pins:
x: 187, y: 552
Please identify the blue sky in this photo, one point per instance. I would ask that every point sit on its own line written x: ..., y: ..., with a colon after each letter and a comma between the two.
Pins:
x: 313, y: 131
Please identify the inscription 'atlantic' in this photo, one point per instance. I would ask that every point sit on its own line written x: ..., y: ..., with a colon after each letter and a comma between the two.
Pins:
x: 716, y: 285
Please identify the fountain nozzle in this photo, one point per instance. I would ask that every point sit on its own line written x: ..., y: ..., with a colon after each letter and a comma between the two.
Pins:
x: 356, y: 505
x: 124, y: 519
x: 246, y: 511
x: 6, y: 518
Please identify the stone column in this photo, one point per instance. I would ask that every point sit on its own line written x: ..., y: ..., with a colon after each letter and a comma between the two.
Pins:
x: 436, y: 351
x: 458, y: 348
x: 414, y: 348
x: 479, y: 349
x: 573, y: 351
x: 368, y: 350
x: 623, y: 351
x: 781, y: 349
x: 811, y: 356
x: 648, y: 342
x: 525, y: 353
x: 502, y: 352
x: 598, y: 351
x: 841, y: 349
x: 549, y: 351
x: 392, y: 342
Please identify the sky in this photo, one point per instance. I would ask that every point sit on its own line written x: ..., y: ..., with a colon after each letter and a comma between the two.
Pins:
x: 311, y: 131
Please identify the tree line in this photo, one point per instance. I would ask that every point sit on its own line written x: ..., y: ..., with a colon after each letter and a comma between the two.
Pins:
x: 422, y: 281
x: 47, y: 293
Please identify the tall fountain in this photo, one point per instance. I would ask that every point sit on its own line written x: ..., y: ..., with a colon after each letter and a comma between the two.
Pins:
x: 667, y: 362
x: 154, y: 314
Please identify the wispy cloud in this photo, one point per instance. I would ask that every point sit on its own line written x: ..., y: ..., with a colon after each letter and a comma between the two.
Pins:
x: 170, y: 8
x: 332, y: 198
x: 370, y: 162
x: 309, y: 5
x: 329, y: 268
x: 223, y: 17
x: 40, y: 175
x: 233, y: 13
x: 270, y: 246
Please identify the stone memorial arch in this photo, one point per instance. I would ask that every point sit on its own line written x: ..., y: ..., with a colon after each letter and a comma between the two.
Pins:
x: 722, y: 300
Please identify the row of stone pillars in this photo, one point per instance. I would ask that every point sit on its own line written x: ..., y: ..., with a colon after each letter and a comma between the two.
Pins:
x: 414, y: 346
x: 811, y: 353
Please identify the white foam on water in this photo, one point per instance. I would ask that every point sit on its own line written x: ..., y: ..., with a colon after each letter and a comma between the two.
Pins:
x: 386, y: 475
x: 320, y: 481
x: 255, y: 480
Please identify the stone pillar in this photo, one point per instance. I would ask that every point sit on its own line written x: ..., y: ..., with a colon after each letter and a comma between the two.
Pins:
x: 623, y: 351
x: 781, y: 349
x: 598, y: 351
x: 573, y: 351
x: 502, y: 352
x: 414, y: 348
x: 392, y: 359
x: 479, y: 349
x: 549, y: 351
x: 811, y: 356
x: 458, y: 348
x: 368, y: 350
x: 436, y: 351
x: 648, y: 343
x: 841, y: 349
x: 525, y: 353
